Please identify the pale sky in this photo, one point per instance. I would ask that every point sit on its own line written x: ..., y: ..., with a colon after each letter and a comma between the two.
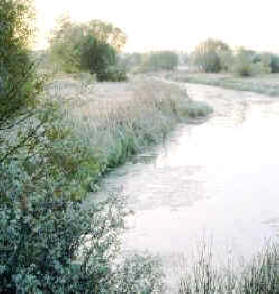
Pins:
x: 173, y: 24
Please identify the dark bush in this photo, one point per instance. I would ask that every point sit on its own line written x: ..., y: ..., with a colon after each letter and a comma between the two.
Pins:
x: 274, y: 63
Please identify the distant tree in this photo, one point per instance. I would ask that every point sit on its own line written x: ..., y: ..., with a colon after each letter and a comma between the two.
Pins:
x: 96, y: 56
x: 129, y: 61
x: 88, y: 46
x: 106, y: 33
x: 248, y: 63
x: 269, y: 59
x: 184, y: 58
x: 161, y: 60
x: 226, y: 60
x: 207, y: 55
x: 274, y: 63
x: 65, y: 45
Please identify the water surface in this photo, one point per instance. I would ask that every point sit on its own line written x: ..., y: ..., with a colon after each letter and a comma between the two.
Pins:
x: 217, y: 180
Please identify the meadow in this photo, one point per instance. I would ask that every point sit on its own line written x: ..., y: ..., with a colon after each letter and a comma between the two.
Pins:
x: 265, y: 84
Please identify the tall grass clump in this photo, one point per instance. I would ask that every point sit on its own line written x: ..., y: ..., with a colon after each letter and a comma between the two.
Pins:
x: 259, y: 276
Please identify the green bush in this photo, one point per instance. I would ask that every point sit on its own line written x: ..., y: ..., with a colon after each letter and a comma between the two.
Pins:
x: 112, y: 74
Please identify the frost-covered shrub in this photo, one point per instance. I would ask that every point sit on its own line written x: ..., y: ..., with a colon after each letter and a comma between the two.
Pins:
x: 57, y: 247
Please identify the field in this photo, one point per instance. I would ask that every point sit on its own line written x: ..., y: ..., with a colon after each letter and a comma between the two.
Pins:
x: 264, y: 84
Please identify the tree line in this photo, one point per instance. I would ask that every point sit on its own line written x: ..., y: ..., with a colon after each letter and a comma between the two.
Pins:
x: 213, y: 56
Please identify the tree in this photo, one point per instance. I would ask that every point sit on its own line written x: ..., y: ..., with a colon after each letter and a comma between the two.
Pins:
x: 248, y: 63
x: 98, y: 57
x: 206, y: 55
x: 269, y: 60
x: 65, y: 45
x: 106, y: 33
x: 157, y: 60
x: 18, y: 81
x: 88, y: 46
x: 274, y: 63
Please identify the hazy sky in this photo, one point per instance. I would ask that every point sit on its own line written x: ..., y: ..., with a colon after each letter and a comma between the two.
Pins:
x: 174, y: 24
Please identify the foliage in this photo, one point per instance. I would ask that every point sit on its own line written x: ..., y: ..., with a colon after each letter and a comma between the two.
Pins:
x: 65, y: 45
x: 106, y: 33
x: 246, y: 63
x: 57, y: 247
x: 49, y: 242
x: 274, y: 63
x: 226, y: 60
x: 100, y: 59
x: 88, y: 46
x: 151, y: 61
x: 167, y: 60
x: 140, y: 274
x: 43, y: 231
x: 18, y: 82
x: 206, y: 55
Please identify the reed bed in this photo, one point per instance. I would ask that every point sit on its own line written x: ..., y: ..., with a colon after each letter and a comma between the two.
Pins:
x: 117, y: 120
x: 260, y: 276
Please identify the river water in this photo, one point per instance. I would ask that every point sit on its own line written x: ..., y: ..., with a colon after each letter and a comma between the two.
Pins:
x: 218, y: 181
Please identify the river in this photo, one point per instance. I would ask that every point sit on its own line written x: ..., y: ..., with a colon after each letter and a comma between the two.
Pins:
x: 216, y: 181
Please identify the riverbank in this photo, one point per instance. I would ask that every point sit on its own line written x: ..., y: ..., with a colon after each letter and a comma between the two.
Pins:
x: 116, y: 120
x: 265, y: 84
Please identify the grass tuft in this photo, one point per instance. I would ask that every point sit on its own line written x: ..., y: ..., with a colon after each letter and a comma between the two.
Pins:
x: 261, y: 276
